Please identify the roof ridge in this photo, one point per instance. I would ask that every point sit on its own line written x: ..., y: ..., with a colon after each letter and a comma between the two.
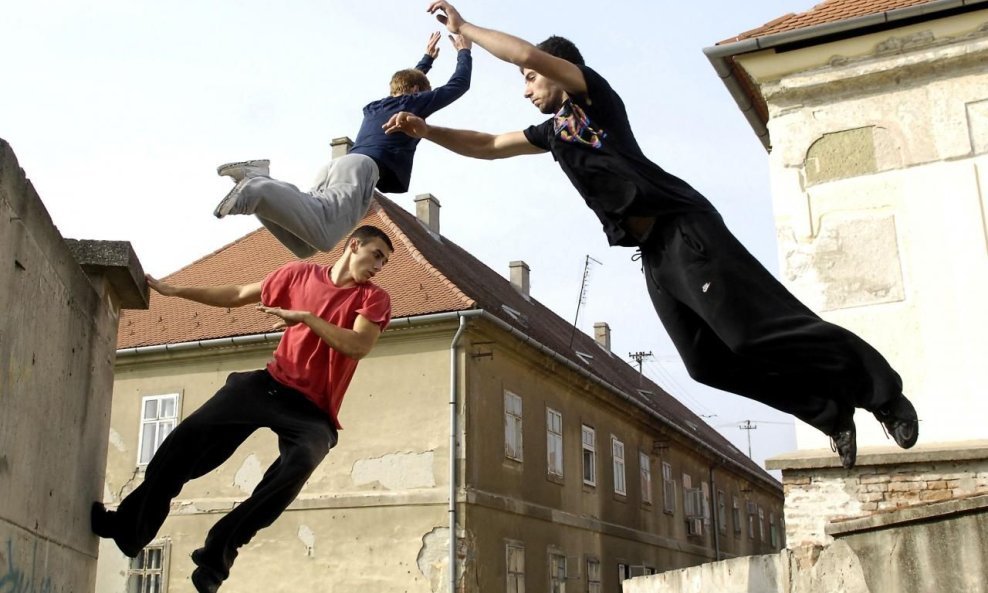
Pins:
x: 414, y: 252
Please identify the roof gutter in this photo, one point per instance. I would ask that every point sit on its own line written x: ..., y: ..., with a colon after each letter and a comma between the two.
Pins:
x: 418, y: 320
x: 722, y: 56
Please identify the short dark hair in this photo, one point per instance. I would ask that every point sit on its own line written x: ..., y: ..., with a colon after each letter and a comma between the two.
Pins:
x: 367, y: 232
x: 562, y: 48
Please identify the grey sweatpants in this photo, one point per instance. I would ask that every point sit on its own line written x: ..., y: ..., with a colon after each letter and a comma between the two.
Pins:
x: 318, y: 220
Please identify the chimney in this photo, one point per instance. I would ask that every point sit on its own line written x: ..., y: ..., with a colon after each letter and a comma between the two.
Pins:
x: 340, y: 146
x: 427, y: 211
x: 602, y: 334
x: 519, y: 277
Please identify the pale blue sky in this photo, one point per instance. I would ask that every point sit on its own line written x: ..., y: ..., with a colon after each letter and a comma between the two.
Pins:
x: 119, y: 111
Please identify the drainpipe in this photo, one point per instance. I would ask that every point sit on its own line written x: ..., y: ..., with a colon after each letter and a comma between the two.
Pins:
x: 454, y: 376
x: 715, y: 505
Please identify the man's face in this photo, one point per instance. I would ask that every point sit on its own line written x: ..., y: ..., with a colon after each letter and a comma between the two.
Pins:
x: 367, y: 259
x: 542, y: 92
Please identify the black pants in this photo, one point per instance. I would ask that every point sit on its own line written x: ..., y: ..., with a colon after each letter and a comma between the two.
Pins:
x: 207, y: 438
x: 738, y: 329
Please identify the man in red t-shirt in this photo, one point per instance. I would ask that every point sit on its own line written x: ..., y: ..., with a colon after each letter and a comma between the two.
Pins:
x: 332, y: 317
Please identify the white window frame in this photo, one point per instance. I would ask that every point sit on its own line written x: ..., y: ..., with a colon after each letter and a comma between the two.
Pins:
x: 557, y: 572
x: 761, y: 524
x: 161, y: 426
x: 138, y: 568
x: 722, y: 512
x: 514, y: 575
x: 593, y: 576
x: 618, y: 466
x: 645, y: 476
x: 692, y: 506
x: 513, y: 443
x: 554, y: 442
x: 736, y: 517
x: 668, y: 489
x: 588, y: 438
x: 752, y: 514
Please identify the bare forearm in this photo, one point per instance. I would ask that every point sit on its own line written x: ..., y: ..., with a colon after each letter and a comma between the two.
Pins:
x: 466, y: 142
x: 215, y: 296
x: 345, y: 341
x: 501, y: 45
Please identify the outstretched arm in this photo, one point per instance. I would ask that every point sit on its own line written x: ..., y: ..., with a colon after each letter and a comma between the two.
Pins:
x: 431, y: 53
x: 355, y: 343
x: 456, y: 86
x: 231, y: 295
x: 512, y: 49
x: 466, y: 142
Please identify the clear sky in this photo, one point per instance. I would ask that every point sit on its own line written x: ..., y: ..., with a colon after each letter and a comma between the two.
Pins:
x: 119, y: 111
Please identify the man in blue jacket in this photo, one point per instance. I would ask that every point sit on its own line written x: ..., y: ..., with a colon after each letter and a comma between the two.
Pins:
x: 315, y: 221
x: 735, y: 326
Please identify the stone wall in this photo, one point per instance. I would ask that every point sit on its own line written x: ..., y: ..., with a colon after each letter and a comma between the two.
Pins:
x: 57, y: 342
x: 818, y: 491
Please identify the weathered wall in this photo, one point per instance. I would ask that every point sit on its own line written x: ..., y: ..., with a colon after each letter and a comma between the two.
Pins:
x: 521, y: 503
x: 373, y: 515
x: 879, y: 170
x: 939, y: 547
x: 57, y: 341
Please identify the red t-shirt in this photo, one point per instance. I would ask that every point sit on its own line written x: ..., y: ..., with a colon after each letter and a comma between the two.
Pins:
x: 303, y: 361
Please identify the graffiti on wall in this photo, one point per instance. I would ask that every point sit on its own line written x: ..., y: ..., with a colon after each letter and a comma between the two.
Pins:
x: 18, y: 579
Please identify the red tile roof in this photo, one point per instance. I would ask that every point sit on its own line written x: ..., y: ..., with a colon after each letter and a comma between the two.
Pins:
x: 427, y: 273
x: 830, y: 11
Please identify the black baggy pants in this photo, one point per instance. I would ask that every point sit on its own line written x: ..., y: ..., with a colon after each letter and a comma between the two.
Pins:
x: 207, y: 438
x: 738, y: 329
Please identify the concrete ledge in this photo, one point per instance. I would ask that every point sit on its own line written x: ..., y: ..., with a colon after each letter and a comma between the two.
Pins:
x: 117, y: 262
x: 892, y: 455
x: 914, y: 514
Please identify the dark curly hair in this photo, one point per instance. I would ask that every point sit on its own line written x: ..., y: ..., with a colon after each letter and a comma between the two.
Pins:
x: 562, y: 48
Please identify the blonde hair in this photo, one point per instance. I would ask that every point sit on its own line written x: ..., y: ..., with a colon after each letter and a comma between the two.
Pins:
x: 404, y: 81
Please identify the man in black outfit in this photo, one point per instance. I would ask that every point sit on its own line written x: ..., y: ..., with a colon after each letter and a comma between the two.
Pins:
x: 735, y: 326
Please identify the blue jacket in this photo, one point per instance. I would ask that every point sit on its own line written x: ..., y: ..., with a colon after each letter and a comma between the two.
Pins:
x: 393, y: 154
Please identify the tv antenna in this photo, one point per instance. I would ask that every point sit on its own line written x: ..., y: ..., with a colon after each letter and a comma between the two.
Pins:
x: 584, y: 284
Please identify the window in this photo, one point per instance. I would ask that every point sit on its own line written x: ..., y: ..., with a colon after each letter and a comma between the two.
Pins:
x: 557, y: 573
x: 761, y: 524
x: 593, y: 576
x: 736, y: 517
x: 706, y: 503
x: 721, y: 512
x: 589, y: 456
x: 645, y: 475
x: 624, y: 572
x: 617, y: 451
x: 668, y: 489
x: 692, y: 506
x: 146, y: 573
x: 515, y: 558
x: 512, y: 426
x: 159, y: 415
x: 752, y: 514
x: 773, y: 532
x: 554, y: 441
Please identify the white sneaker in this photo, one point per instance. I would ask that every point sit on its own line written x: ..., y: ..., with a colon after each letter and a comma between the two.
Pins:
x: 228, y: 204
x: 244, y: 169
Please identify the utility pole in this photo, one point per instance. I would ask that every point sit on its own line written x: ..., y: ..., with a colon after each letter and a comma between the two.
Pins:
x: 749, y: 427
x: 639, y: 357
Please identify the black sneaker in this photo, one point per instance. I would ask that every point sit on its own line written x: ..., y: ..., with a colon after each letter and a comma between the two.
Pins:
x: 104, y: 524
x: 205, y: 581
x: 101, y: 520
x: 844, y: 442
x: 899, y: 421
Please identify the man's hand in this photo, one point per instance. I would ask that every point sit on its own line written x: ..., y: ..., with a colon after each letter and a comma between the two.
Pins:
x: 287, y: 318
x: 449, y: 17
x: 460, y: 42
x: 408, y: 123
x: 159, y: 286
x: 432, y: 47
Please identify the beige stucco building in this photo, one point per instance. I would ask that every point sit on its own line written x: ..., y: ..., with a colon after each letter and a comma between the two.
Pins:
x: 876, y: 116
x: 567, y: 470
